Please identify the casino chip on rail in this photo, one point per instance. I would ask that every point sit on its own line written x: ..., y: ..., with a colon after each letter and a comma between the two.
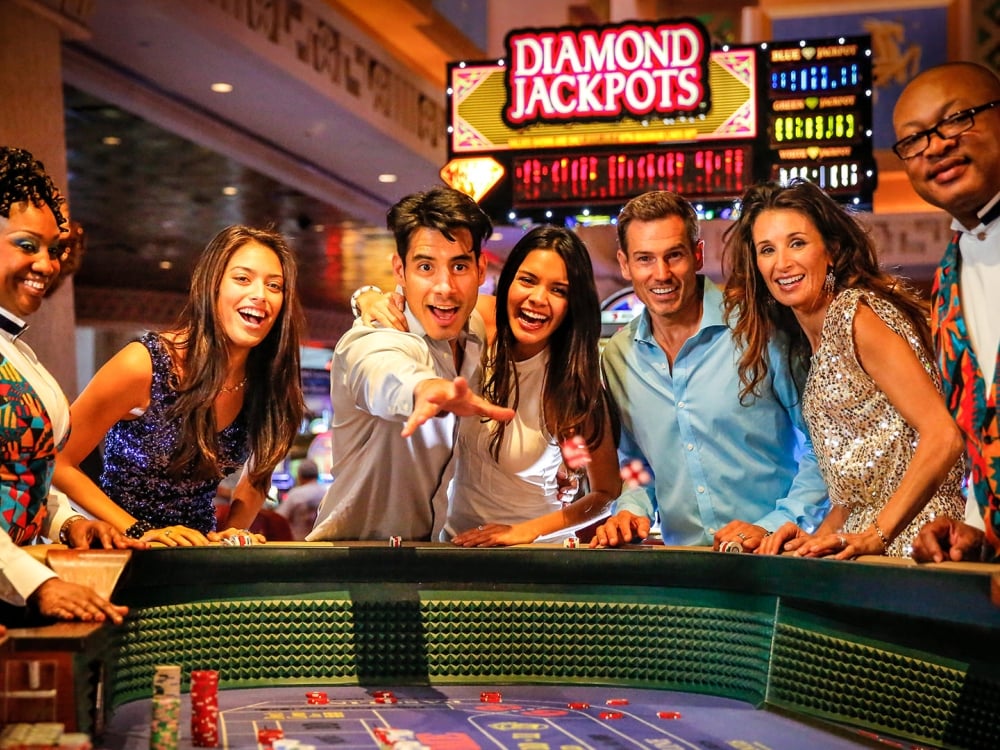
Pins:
x: 242, y: 539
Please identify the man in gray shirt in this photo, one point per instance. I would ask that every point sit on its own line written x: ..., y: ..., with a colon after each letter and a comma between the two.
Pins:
x: 397, y: 395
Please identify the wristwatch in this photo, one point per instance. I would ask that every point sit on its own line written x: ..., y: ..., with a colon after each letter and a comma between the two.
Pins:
x: 357, y: 293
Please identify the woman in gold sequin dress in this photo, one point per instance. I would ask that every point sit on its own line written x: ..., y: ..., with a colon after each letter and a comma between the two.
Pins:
x: 888, y: 449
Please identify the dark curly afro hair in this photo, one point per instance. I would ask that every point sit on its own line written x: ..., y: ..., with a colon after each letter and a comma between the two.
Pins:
x: 23, y: 179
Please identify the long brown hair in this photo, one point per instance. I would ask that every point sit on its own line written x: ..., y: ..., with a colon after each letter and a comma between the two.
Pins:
x: 573, y: 401
x: 752, y: 312
x: 273, y: 401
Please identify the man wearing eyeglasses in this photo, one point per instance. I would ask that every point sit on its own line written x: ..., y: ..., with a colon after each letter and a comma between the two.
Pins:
x: 947, y: 121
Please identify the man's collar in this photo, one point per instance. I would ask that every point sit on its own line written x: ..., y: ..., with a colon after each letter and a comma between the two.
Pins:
x: 12, y: 324
x: 991, y: 211
x: 711, y: 310
x: 987, y: 215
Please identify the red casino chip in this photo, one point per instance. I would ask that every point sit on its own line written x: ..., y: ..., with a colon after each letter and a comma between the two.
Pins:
x: 267, y: 735
x: 490, y: 696
x: 576, y: 706
x: 204, y: 708
x: 386, y: 699
x: 616, y: 702
x: 668, y: 714
x: 317, y: 698
x: 609, y: 715
x: 390, y: 736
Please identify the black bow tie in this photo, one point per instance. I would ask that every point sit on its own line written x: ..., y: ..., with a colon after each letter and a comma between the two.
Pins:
x: 14, y: 329
x: 992, y: 214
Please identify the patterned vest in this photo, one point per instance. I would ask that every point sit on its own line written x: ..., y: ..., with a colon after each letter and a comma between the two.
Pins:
x: 27, y: 456
x: 965, y: 391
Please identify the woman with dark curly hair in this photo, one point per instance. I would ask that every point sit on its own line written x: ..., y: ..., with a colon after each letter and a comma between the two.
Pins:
x: 179, y: 410
x: 34, y: 414
x: 891, y: 455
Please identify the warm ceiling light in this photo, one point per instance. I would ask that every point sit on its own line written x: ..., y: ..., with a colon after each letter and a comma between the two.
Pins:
x: 111, y: 140
x: 230, y: 190
x: 388, y: 178
x: 222, y: 88
x: 166, y: 265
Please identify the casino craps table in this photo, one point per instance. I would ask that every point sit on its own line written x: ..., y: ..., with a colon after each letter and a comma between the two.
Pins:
x: 539, y: 717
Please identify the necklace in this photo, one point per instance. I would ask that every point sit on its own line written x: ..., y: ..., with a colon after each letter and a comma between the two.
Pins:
x: 234, y: 388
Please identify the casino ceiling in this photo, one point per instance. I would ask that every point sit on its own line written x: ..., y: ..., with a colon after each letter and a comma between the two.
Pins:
x: 158, y: 161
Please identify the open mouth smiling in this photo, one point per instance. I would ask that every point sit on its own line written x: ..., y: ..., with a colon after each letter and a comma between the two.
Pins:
x: 252, y: 315
x: 789, y: 280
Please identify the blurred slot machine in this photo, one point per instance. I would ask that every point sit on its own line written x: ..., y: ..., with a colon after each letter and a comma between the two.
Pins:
x: 617, y: 311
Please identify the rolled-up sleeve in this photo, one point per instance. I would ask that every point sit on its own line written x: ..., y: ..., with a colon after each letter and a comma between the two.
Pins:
x: 20, y: 573
x: 381, y: 369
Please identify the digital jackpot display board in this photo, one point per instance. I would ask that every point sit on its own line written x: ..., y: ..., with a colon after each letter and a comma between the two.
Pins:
x: 590, y: 117
x: 819, y: 115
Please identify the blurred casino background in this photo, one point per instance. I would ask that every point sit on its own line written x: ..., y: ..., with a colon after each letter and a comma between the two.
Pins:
x: 170, y: 119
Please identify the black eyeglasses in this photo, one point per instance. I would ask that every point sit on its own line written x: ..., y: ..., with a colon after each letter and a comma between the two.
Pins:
x: 949, y: 127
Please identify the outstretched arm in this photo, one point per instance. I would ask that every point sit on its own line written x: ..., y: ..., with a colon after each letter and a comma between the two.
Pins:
x: 435, y: 396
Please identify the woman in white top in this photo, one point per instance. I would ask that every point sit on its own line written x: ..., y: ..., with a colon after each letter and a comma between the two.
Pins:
x: 544, y: 363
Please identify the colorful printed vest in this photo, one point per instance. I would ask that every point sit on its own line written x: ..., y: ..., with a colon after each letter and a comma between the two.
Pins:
x: 27, y: 456
x: 973, y: 408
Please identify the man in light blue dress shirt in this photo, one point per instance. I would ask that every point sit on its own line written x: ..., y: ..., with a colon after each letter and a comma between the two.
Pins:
x: 723, y: 471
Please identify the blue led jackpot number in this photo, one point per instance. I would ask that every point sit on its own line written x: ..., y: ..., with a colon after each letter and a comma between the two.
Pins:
x: 816, y: 78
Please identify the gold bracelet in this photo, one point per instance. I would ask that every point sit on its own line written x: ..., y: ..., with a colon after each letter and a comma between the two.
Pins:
x: 882, y: 537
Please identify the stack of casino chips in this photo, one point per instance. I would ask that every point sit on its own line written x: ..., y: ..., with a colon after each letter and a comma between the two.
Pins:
x: 204, y: 708
x: 163, y: 729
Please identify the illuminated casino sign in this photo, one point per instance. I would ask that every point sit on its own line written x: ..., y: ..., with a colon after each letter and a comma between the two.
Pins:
x: 559, y: 178
x: 582, y: 118
x: 606, y: 73
x: 819, y: 115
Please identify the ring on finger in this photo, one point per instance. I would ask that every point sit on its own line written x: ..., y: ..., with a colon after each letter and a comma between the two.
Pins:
x: 742, y: 536
x: 479, y: 528
x: 168, y: 532
x: 843, y: 540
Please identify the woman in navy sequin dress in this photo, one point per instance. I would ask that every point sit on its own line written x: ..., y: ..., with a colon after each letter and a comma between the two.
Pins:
x: 179, y: 410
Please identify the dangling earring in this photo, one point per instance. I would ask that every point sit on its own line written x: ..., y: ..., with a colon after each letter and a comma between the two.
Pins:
x: 830, y: 282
